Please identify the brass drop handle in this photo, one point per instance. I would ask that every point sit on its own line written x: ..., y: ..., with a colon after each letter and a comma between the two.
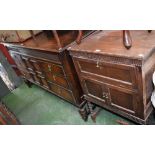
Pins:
x: 49, y: 68
x: 97, y: 64
x: 105, y: 95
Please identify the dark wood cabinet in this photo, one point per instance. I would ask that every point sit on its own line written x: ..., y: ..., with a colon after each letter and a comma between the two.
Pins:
x: 114, y: 77
x: 43, y: 62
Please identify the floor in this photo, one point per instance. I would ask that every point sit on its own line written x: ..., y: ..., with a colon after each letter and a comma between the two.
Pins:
x: 35, y: 106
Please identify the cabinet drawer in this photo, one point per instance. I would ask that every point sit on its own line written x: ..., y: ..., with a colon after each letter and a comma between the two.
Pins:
x: 26, y: 75
x: 122, y: 76
x: 52, y: 56
x: 56, y: 79
x: 67, y: 95
x: 28, y: 64
x: 36, y: 64
x: 55, y: 69
x: 36, y: 79
x: 44, y: 83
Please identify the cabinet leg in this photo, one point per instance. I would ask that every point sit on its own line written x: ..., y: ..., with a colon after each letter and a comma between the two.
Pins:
x: 94, y: 110
x: 79, y: 37
x: 83, y: 111
x: 28, y: 83
x: 95, y: 113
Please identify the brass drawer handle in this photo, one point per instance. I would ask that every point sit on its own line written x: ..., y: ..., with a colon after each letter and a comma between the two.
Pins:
x: 105, y: 95
x: 42, y: 77
x: 49, y: 68
x: 34, y: 61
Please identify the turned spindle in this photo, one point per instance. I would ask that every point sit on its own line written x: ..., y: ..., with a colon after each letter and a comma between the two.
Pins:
x: 127, y: 41
x: 79, y: 37
x: 57, y: 38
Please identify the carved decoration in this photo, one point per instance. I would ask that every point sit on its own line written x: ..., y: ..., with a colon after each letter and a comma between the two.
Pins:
x: 106, y: 58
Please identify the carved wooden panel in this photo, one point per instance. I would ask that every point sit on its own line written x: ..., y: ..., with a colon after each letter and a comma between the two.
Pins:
x: 35, y: 64
x: 96, y: 90
x: 61, y: 92
x: 56, y: 79
x: 122, y: 100
x: 51, y: 67
x: 102, y: 94
x: 28, y: 63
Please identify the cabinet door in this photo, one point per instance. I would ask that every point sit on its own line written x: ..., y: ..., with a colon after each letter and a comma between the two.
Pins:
x: 107, y: 95
x: 96, y: 91
x: 124, y: 101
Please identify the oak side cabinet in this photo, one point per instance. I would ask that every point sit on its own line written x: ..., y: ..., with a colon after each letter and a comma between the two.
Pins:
x: 116, y: 78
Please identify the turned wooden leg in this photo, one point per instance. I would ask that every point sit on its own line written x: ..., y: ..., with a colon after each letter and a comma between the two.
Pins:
x: 33, y: 36
x: 127, y: 41
x: 28, y: 83
x: 79, y: 37
x: 95, y: 113
x: 91, y: 108
x: 94, y: 110
x: 83, y: 111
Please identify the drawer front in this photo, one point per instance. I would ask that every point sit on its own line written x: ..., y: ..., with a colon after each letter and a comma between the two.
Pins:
x: 45, y: 74
x: 103, y: 94
x: 52, y: 56
x: 36, y: 79
x: 27, y: 63
x: 56, y: 79
x: 55, y: 69
x: 123, y: 76
x: 36, y: 65
x: 27, y: 75
x: 44, y: 83
x: 67, y: 95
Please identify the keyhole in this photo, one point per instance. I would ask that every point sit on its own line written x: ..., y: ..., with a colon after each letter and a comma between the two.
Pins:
x: 97, y: 65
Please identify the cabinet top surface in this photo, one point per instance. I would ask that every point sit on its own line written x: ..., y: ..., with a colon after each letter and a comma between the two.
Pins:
x: 46, y: 43
x: 111, y: 43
